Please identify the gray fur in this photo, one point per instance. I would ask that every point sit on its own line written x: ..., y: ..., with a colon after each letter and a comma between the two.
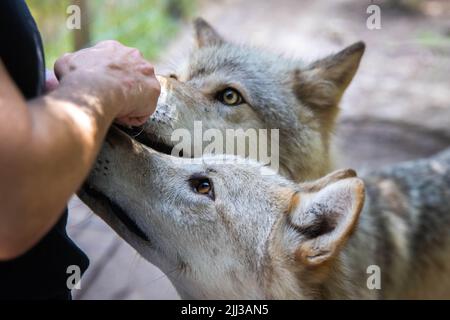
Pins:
x: 300, y: 99
x: 264, y: 237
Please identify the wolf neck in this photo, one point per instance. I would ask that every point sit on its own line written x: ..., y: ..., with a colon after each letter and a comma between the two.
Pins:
x: 189, y: 290
x: 350, y: 276
x: 345, y: 277
x: 368, y: 254
x: 313, y: 165
x: 310, y: 157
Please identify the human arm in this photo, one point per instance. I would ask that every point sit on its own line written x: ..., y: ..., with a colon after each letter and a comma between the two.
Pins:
x: 48, y: 145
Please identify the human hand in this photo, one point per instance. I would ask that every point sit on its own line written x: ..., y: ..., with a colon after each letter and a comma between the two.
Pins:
x: 116, y: 74
x: 51, y: 82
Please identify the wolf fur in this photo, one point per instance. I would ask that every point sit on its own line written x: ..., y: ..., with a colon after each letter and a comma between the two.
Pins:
x: 256, y: 235
x: 300, y: 99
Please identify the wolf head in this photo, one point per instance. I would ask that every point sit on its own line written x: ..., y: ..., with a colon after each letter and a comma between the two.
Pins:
x: 222, y: 229
x: 230, y: 86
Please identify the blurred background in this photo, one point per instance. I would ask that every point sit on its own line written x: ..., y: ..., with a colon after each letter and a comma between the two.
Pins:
x: 397, y: 107
x: 147, y: 25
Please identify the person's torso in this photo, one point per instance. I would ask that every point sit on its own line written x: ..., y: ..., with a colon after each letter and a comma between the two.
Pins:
x: 42, y: 272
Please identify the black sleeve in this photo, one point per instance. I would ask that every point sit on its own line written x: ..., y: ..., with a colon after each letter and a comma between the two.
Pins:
x: 21, y: 47
x: 40, y: 273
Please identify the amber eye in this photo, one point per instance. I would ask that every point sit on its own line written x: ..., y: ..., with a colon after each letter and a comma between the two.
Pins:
x: 230, y: 97
x: 202, y: 186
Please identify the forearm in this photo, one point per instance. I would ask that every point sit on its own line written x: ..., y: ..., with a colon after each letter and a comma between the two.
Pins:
x: 66, y: 126
x: 47, y: 146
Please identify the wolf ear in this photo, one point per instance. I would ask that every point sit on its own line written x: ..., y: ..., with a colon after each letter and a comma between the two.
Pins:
x: 206, y: 35
x: 324, y: 219
x: 321, y: 84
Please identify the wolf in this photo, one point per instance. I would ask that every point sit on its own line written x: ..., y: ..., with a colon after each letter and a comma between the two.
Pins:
x: 233, y: 86
x: 228, y: 230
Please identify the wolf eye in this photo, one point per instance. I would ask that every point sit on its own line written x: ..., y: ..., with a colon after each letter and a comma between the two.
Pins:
x: 202, y: 186
x: 230, y: 97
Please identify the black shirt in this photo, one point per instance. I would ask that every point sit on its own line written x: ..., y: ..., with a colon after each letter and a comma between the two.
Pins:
x: 41, y: 273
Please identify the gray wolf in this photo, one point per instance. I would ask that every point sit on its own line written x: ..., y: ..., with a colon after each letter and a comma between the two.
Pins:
x: 229, y: 232
x: 229, y: 86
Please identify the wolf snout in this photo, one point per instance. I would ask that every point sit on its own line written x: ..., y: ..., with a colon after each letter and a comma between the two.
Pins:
x: 102, y: 166
x: 117, y: 137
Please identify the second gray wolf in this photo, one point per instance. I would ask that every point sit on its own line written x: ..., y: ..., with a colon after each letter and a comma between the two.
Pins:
x: 228, y: 231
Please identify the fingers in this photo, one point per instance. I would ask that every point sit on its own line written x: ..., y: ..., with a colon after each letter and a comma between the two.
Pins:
x: 140, y: 114
x: 143, y: 66
x: 112, y: 67
x: 108, y: 43
x: 51, y: 83
x: 132, y: 121
x: 61, y: 66
x: 147, y: 69
x: 136, y: 54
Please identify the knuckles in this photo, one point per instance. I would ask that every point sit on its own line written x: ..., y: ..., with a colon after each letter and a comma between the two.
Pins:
x: 136, y: 53
x: 157, y: 87
x: 109, y: 43
x: 144, y: 71
x: 147, y: 69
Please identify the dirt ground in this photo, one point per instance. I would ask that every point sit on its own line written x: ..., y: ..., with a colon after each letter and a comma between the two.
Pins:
x: 397, y: 108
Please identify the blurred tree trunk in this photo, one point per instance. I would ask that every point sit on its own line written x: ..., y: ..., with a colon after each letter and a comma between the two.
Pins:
x: 82, y: 37
x: 413, y: 5
x: 175, y: 9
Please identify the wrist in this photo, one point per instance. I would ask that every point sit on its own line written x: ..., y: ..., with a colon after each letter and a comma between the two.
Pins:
x: 90, y: 90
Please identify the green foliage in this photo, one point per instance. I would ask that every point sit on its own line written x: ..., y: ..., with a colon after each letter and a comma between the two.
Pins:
x: 145, y: 24
x: 433, y: 40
